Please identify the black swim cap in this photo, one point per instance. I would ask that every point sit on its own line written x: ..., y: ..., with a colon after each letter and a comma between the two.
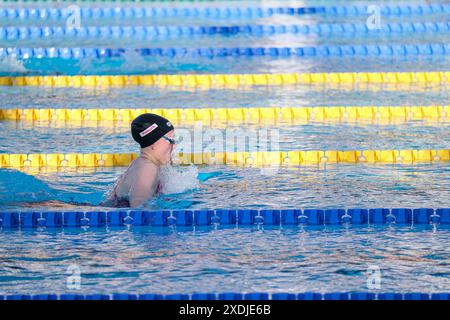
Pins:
x: 149, y: 128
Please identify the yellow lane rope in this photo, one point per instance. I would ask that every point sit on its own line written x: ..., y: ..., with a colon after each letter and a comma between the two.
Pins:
x: 226, y: 80
x: 396, y: 114
x: 230, y: 158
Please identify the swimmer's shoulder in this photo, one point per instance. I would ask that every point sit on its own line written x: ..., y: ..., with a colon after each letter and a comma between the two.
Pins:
x: 143, y: 164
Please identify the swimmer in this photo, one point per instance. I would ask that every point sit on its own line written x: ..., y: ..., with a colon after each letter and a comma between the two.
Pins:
x: 140, y: 182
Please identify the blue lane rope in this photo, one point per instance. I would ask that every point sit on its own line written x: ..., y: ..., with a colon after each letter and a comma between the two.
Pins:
x: 326, y: 29
x: 435, y: 49
x: 57, y: 219
x: 238, y: 296
x: 215, y: 13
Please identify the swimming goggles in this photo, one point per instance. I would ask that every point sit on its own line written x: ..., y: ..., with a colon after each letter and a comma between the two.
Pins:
x: 170, y: 140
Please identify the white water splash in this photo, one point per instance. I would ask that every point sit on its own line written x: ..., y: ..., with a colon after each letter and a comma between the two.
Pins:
x: 178, y: 179
x: 11, y: 64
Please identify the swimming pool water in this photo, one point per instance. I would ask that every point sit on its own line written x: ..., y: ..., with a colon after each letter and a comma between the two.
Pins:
x: 412, y: 258
x: 414, y: 135
x: 324, y: 186
x: 334, y: 185
x: 289, y: 96
x: 224, y: 259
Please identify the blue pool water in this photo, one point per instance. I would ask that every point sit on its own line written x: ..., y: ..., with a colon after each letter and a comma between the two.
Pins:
x: 297, y: 96
x: 331, y: 186
x: 238, y: 259
x: 224, y: 259
x: 299, y: 137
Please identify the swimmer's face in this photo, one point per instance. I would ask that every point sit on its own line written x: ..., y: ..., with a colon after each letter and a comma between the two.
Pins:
x: 162, y: 149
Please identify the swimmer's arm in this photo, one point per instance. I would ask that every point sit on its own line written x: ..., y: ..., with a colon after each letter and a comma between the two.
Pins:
x: 143, y: 187
x: 58, y: 204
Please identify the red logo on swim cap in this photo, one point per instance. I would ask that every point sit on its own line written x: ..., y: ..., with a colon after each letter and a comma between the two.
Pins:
x: 148, y: 130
